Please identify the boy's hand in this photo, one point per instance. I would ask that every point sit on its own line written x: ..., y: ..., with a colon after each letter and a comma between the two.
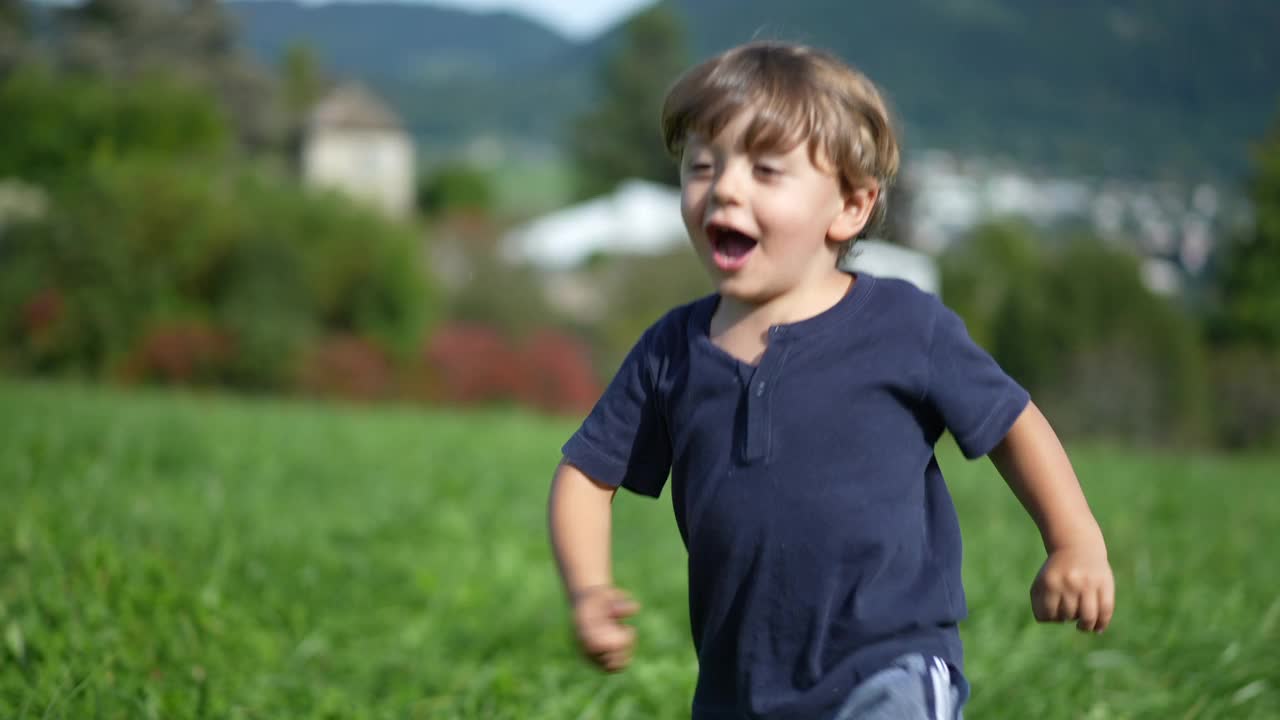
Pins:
x: 1075, y: 583
x: 597, y: 620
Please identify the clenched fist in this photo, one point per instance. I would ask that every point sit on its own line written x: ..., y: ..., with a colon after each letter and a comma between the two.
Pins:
x: 1075, y: 583
x: 597, y: 620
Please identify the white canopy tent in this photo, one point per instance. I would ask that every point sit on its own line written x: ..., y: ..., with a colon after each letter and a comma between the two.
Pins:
x: 641, y: 217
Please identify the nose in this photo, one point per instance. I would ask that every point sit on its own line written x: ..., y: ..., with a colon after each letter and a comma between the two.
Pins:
x: 729, y: 185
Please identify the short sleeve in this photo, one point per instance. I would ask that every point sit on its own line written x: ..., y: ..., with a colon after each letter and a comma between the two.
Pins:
x: 977, y: 401
x: 624, y: 440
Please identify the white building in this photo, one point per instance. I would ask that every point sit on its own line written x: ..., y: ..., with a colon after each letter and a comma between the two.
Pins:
x: 354, y: 143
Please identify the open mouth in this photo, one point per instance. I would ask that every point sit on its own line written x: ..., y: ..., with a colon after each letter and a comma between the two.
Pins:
x: 729, y: 247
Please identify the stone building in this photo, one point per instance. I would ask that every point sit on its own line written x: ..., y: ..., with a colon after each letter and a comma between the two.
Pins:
x: 356, y: 144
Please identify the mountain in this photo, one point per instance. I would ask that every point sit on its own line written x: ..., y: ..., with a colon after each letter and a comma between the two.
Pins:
x: 380, y: 39
x: 452, y: 74
x: 1128, y: 87
x: 1108, y: 85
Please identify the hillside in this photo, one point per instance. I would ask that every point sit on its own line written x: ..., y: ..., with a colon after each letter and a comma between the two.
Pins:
x: 453, y: 74
x: 1126, y: 87
x: 1108, y: 85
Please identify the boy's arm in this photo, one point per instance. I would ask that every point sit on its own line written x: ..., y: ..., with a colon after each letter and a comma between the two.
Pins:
x: 580, y: 521
x: 1075, y: 582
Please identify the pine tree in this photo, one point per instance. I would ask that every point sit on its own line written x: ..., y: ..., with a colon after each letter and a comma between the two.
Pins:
x: 192, y: 40
x: 1248, y: 283
x: 13, y: 34
x: 620, y: 137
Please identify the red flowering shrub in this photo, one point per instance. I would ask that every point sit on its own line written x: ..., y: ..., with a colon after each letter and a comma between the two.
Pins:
x: 472, y: 365
x: 347, y: 367
x: 184, y: 353
x: 42, y: 312
x: 559, y: 377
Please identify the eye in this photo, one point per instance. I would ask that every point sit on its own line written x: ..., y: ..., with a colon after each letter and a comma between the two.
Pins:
x: 767, y: 170
x: 699, y: 167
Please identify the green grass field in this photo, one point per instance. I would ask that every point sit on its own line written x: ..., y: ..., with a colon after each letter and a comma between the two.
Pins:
x: 176, y: 555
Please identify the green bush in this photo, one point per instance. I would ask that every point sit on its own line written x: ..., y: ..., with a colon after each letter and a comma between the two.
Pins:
x: 637, y: 290
x: 55, y: 126
x: 139, y: 244
x: 455, y: 188
x: 1246, y: 397
x: 1074, y: 324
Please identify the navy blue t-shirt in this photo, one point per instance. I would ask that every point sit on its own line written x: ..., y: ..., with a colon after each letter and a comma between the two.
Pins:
x: 822, y: 540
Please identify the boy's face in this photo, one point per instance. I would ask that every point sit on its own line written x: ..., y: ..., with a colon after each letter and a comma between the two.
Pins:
x: 764, y: 225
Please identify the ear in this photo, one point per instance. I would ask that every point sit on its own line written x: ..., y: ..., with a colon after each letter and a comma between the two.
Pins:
x: 858, y: 205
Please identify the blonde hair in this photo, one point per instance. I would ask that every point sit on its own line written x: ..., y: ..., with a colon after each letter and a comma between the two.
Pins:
x: 797, y: 94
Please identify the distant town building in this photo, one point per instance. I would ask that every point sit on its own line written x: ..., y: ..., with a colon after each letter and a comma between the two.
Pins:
x: 356, y: 144
x: 1172, y: 229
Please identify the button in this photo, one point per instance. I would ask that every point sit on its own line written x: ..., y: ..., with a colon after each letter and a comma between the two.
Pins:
x: 760, y: 389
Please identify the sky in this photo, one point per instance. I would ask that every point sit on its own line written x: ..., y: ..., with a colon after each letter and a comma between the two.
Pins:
x: 575, y: 18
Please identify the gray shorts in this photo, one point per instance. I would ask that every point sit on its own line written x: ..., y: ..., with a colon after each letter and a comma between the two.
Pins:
x: 914, y: 687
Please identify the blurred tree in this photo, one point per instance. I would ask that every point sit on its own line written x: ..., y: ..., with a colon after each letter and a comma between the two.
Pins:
x: 194, y: 40
x: 1244, y: 324
x: 207, y: 30
x: 503, y: 297
x: 619, y: 137
x: 303, y: 79
x: 302, y: 84
x: 1248, y: 282
x: 145, y: 248
x: 114, y: 37
x: 1112, y: 358
x: 636, y: 291
x: 13, y: 34
x: 454, y: 188
x: 56, y: 126
x: 897, y: 226
x: 1073, y: 323
x: 996, y: 260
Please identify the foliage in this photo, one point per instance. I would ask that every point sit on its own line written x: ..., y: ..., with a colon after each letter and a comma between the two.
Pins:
x: 14, y: 32
x: 56, y: 125
x: 180, y: 353
x: 302, y: 84
x: 13, y: 14
x: 303, y: 79
x: 1246, y: 397
x: 455, y: 188
x: 185, y: 556
x: 636, y: 291
x: 1244, y: 315
x: 139, y: 246
x: 126, y: 40
x: 1248, y: 281
x: 348, y: 367
x: 619, y: 137
x: 898, y: 226
x: 484, y: 289
x: 476, y: 365
x: 1101, y: 353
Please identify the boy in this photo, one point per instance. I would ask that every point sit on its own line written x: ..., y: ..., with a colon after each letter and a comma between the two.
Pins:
x: 796, y: 410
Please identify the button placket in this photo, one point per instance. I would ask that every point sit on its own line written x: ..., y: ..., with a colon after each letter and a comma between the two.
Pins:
x: 759, y: 395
